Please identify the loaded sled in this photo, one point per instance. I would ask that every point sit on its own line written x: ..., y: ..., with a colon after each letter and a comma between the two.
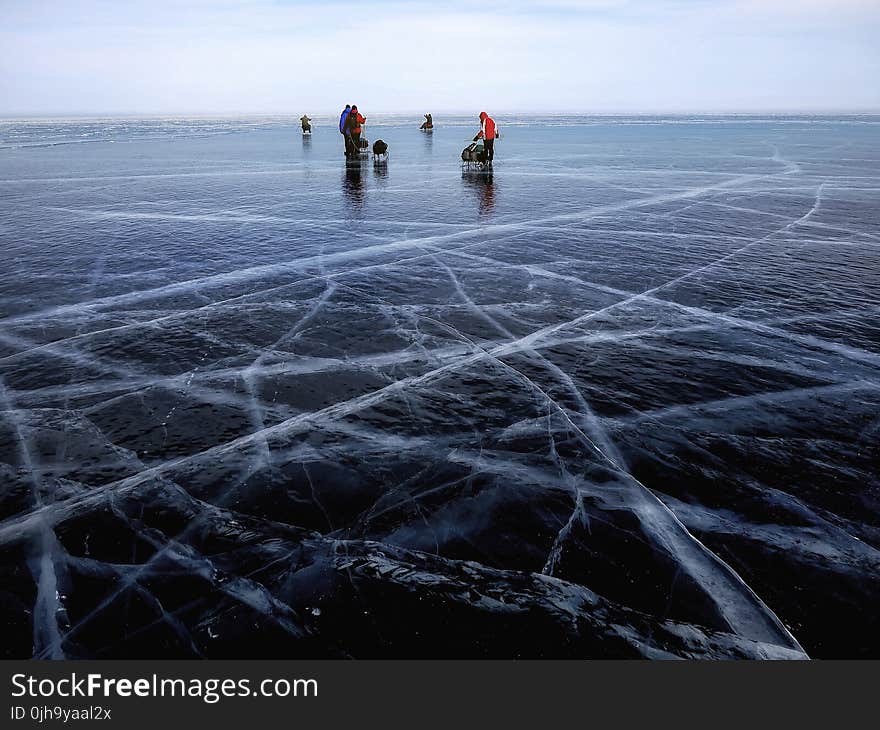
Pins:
x: 473, y: 157
x: 363, y: 146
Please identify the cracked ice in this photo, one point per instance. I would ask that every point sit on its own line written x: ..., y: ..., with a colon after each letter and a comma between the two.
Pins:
x: 619, y: 399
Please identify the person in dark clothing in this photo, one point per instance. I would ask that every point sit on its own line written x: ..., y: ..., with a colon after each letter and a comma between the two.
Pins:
x: 343, y: 128
x: 428, y: 123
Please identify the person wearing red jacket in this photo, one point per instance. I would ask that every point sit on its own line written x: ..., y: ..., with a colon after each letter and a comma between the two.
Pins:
x: 355, y: 120
x: 488, y: 133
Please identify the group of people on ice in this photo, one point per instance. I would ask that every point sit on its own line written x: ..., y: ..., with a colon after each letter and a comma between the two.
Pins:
x: 351, y: 123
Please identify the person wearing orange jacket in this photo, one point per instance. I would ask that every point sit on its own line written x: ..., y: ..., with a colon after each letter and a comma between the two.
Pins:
x: 488, y: 133
x: 355, y: 120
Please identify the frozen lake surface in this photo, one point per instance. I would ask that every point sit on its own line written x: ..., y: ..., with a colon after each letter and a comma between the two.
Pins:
x: 619, y: 399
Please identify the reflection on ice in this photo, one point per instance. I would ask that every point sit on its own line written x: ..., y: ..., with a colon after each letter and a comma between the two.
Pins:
x: 483, y: 186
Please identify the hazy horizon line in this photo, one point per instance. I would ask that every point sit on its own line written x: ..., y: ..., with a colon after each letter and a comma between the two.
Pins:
x: 183, y: 114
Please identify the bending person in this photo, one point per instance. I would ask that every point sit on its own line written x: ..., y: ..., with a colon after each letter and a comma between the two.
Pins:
x: 488, y: 133
x: 306, y: 123
x: 428, y: 123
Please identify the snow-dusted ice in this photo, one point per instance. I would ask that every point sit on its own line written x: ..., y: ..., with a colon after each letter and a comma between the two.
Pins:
x: 620, y: 398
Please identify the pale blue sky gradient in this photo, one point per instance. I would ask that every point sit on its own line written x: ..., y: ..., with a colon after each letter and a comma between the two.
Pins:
x: 602, y: 56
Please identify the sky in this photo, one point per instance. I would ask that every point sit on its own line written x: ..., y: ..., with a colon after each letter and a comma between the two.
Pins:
x: 280, y: 56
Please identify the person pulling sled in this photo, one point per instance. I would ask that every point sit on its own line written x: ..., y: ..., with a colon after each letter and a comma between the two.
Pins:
x: 488, y: 133
x: 355, y: 124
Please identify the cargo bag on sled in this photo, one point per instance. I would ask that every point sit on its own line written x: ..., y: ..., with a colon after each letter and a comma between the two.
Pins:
x: 474, y: 152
